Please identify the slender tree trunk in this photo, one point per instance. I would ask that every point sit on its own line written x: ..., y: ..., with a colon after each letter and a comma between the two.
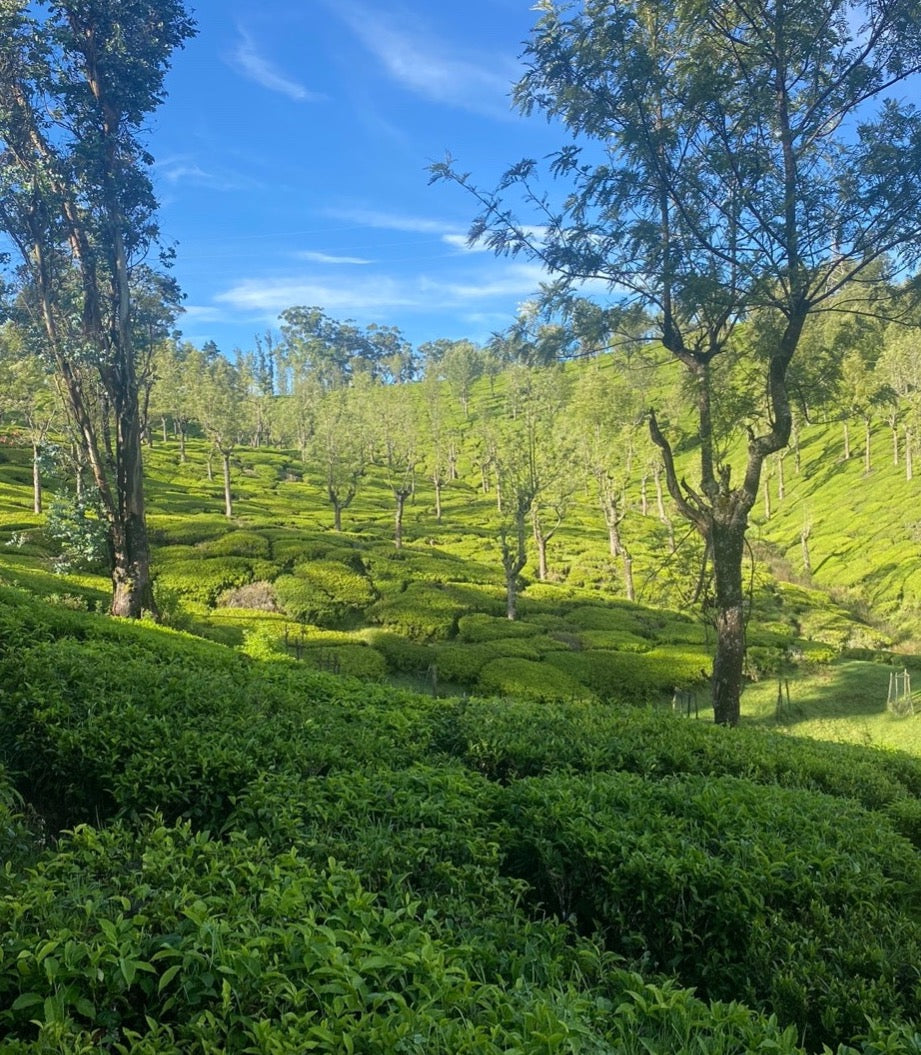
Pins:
x: 767, y: 497
x: 909, y: 462
x: 36, y: 478
x: 847, y: 442
x: 867, y: 466
x: 400, y: 496
x: 436, y: 481
x: 228, y: 496
x: 781, y: 482
x: 337, y: 515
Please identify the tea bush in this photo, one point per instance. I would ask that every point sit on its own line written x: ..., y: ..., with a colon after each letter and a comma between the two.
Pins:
x: 531, y: 680
x: 791, y: 901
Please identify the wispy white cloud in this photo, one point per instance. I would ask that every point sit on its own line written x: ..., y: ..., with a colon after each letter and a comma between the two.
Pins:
x: 379, y: 293
x: 185, y: 169
x: 248, y: 60
x: 327, y: 258
x: 430, y: 67
x: 395, y: 221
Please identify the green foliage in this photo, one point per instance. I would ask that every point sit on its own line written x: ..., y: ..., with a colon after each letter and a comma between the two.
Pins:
x: 204, y: 579
x: 239, y: 543
x: 787, y: 900
x: 79, y: 531
x: 325, y: 593
x: 481, y: 627
x: 430, y: 611
x: 530, y: 680
x: 401, y: 654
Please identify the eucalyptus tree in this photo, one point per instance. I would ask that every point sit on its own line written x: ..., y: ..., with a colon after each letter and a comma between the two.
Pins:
x: 724, y: 158
x: 78, y: 81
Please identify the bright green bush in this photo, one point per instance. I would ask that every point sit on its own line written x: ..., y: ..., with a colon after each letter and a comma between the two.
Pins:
x: 203, y: 579
x: 239, y: 543
x: 401, y: 654
x: 479, y: 627
x: 325, y: 593
x: 429, y: 611
x: 461, y: 664
x: 356, y: 661
x: 531, y: 680
x: 630, y: 676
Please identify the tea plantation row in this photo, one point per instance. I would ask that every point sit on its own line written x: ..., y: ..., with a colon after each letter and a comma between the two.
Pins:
x: 268, y: 859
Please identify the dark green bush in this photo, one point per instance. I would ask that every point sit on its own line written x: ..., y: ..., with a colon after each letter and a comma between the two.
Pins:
x: 788, y: 900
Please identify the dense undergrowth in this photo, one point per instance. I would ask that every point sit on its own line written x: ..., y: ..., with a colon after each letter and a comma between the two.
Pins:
x: 263, y: 858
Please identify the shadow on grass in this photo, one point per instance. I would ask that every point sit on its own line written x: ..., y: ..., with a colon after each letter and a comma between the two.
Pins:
x: 851, y: 690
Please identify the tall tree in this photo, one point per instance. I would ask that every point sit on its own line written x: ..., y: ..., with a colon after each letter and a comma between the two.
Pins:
x: 78, y: 80
x: 726, y: 158
x: 220, y: 409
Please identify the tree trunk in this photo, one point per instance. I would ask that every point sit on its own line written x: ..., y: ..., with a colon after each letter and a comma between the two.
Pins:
x: 781, y: 483
x: 436, y: 480
x: 36, y: 479
x: 629, y: 588
x: 400, y: 497
x: 337, y: 514
x: 847, y: 442
x: 867, y: 466
x: 727, y: 543
x: 228, y: 497
x: 909, y: 463
x: 132, y: 592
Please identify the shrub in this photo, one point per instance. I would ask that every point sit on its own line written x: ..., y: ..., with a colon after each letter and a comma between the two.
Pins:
x: 357, y: 661
x: 478, y: 627
x: 529, y: 679
x: 402, y: 655
x: 237, y: 544
x: 786, y: 900
x: 325, y: 593
x: 429, y: 611
x: 206, y: 578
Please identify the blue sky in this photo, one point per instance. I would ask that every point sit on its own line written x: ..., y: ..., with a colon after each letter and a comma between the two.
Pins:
x: 291, y: 163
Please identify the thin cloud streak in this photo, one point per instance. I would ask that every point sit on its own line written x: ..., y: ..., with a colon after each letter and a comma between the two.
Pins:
x: 247, y: 60
x: 378, y: 293
x: 426, y: 67
x: 327, y: 258
x: 391, y: 221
